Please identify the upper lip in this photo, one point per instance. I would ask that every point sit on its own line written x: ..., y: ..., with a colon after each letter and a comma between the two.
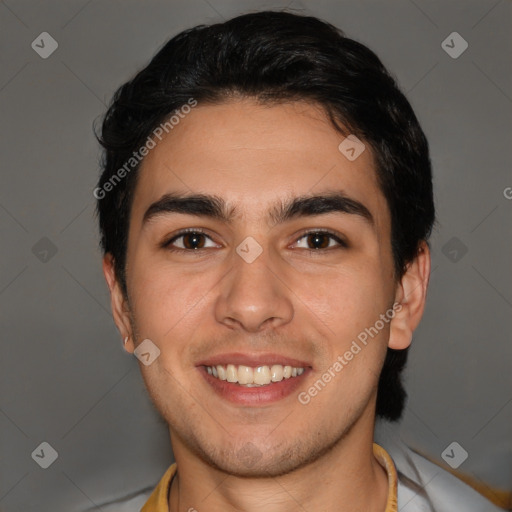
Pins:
x: 254, y: 360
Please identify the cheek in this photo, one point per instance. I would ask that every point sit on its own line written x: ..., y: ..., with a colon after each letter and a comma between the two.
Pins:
x: 347, y: 299
x: 167, y: 300
x: 350, y: 303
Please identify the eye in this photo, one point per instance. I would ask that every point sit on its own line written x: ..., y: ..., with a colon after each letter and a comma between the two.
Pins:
x: 194, y: 239
x: 188, y: 240
x: 321, y: 240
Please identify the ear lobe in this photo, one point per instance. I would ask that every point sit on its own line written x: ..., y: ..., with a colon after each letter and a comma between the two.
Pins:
x: 411, y: 294
x: 118, y: 303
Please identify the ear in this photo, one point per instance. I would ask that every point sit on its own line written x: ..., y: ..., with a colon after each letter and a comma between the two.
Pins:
x: 411, y: 294
x: 119, y: 304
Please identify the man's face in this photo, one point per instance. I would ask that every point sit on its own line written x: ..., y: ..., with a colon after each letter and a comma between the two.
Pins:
x: 301, y: 302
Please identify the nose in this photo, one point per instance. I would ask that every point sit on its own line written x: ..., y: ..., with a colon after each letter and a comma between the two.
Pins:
x: 254, y: 296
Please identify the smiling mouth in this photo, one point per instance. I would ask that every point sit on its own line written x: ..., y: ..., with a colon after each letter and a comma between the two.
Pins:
x: 249, y: 376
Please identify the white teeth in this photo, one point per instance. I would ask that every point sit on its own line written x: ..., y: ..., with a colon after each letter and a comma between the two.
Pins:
x: 245, y: 374
x: 221, y: 372
x: 276, y: 373
x: 262, y: 375
x: 253, y: 377
x: 231, y: 373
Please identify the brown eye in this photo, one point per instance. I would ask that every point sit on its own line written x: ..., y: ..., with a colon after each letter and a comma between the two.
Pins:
x: 317, y: 240
x: 191, y: 240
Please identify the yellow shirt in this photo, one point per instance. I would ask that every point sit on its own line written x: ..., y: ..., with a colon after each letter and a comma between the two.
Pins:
x: 159, y: 499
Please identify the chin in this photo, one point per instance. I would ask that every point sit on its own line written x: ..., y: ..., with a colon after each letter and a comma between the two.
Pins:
x: 253, y: 461
x: 268, y: 468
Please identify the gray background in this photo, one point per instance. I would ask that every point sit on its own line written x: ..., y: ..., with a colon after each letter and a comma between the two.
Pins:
x: 64, y: 377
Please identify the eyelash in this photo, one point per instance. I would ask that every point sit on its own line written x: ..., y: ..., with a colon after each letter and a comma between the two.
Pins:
x: 167, y: 244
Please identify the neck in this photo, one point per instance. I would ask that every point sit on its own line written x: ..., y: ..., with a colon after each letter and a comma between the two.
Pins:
x: 346, y: 478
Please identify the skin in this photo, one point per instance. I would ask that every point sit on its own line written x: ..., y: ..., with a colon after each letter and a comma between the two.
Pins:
x: 304, y: 304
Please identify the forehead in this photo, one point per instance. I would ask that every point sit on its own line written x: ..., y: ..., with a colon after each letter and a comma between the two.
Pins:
x: 252, y: 154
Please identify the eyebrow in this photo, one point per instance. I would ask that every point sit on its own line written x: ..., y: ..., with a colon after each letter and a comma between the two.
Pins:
x: 215, y: 207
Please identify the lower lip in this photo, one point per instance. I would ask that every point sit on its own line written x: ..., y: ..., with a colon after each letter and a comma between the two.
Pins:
x: 258, y: 395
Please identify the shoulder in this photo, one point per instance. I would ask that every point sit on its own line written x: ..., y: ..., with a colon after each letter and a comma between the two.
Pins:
x: 423, y: 486
x: 132, y: 503
x: 150, y: 499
